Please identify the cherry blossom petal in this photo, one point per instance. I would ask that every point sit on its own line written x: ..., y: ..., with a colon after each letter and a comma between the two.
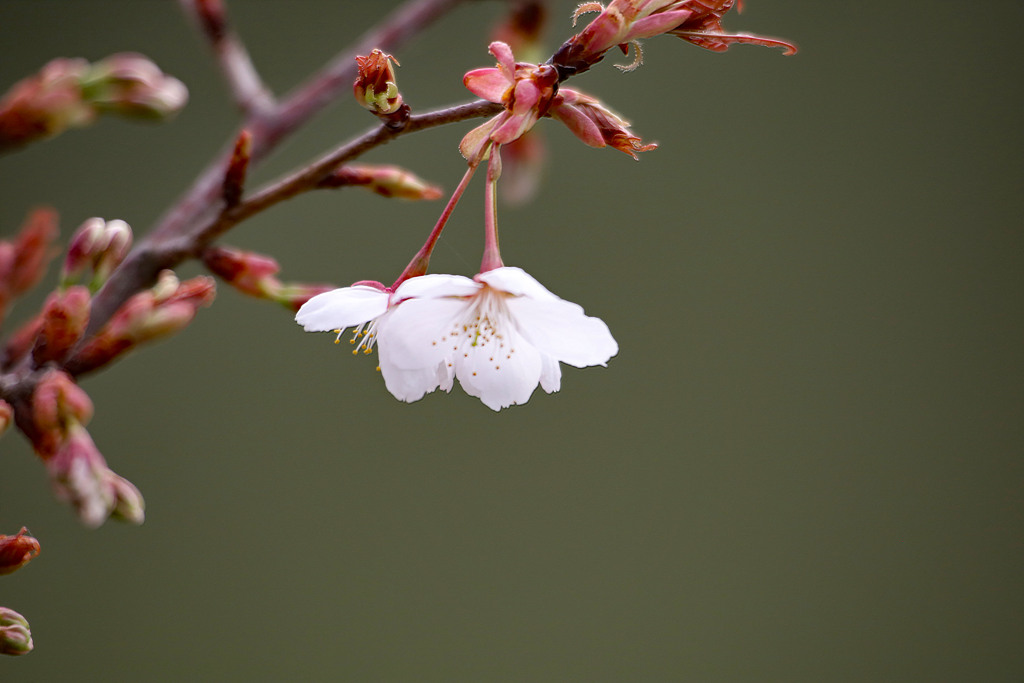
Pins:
x: 490, y: 84
x: 435, y: 285
x: 506, y: 61
x: 515, y: 281
x: 341, y: 308
x: 581, y: 125
x: 561, y: 330
x: 499, y: 374
x: 656, y: 24
x: 515, y: 126
x: 417, y: 333
x: 475, y: 140
x: 550, y: 374
x: 412, y: 385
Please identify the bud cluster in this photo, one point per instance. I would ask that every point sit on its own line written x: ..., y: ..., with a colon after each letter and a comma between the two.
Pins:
x: 41, y: 358
x: 71, y: 93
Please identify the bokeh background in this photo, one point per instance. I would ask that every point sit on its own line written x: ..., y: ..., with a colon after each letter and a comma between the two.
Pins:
x: 805, y: 463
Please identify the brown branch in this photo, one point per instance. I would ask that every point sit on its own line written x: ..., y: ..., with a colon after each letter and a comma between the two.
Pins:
x: 247, y: 88
x: 163, y: 246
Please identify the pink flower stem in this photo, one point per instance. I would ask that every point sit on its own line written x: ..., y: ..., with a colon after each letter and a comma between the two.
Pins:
x: 492, y: 255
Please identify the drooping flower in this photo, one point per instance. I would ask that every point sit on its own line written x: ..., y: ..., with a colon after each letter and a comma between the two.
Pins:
x: 500, y: 334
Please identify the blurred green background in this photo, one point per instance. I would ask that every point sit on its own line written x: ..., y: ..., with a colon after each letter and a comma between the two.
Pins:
x: 805, y: 463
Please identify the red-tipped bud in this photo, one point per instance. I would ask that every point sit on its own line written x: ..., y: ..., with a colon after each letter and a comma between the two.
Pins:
x: 376, y: 88
x: 254, y: 274
x: 163, y: 310
x: 387, y: 181
x: 57, y: 403
x: 45, y: 104
x: 15, y: 636
x: 595, y: 124
x: 21, y: 342
x: 247, y: 271
x: 57, y: 400
x: 16, y: 551
x: 85, y: 244
x: 238, y: 167
x: 6, y: 416
x: 30, y: 253
x: 213, y: 17
x: 131, y: 85
x: 64, y: 317
x: 80, y: 476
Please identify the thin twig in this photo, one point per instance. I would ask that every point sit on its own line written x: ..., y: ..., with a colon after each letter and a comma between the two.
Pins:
x: 244, y: 82
x: 155, y: 251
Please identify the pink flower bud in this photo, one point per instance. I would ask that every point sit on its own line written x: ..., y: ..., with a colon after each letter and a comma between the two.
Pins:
x: 31, y: 252
x: 376, y: 88
x: 165, y: 309
x: 15, y: 636
x: 238, y: 168
x: 45, y: 104
x: 64, y: 317
x: 6, y: 416
x: 82, y: 250
x: 131, y: 85
x: 247, y: 271
x: 117, y: 240
x: 57, y: 401
x: 16, y: 551
x: 387, y: 181
x: 21, y: 341
x: 80, y: 476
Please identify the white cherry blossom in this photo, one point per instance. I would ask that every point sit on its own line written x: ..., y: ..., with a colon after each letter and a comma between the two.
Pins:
x: 500, y: 334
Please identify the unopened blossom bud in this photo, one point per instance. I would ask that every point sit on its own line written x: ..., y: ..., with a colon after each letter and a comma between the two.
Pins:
x: 57, y: 400
x: 64, y: 317
x: 16, y: 551
x: 15, y: 636
x: 131, y: 85
x: 117, y: 243
x: 6, y: 416
x: 247, y: 271
x: 24, y: 260
x: 21, y: 341
x: 376, y: 88
x: 387, y: 181
x: 163, y: 310
x: 128, y: 503
x: 80, y: 476
x: 238, y: 168
x: 45, y: 104
x: 81, y: 255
